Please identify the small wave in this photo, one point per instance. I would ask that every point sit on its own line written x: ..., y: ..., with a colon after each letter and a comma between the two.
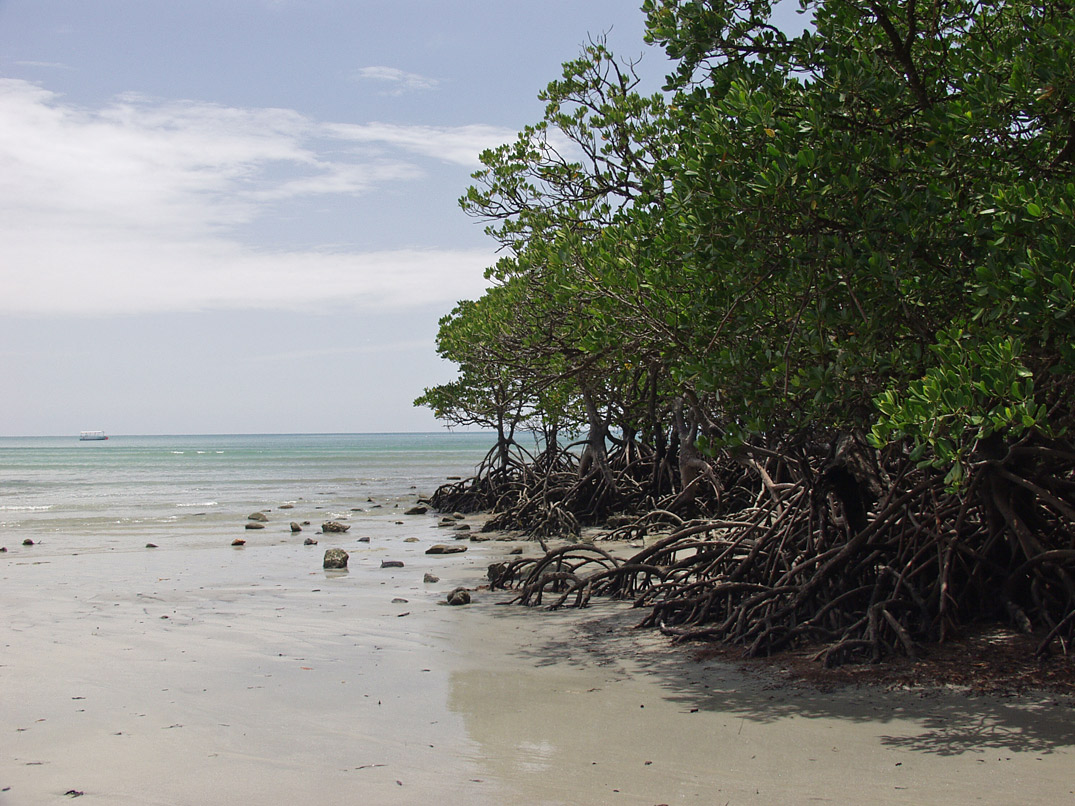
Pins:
x: 177, y: 453
x: 44, y: 508
x: 200, y: 504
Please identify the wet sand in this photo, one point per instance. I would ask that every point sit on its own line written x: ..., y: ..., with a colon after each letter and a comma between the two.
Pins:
x: 212, y: 675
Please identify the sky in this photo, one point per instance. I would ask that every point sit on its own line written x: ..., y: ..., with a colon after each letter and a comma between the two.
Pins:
x: 240, y: 216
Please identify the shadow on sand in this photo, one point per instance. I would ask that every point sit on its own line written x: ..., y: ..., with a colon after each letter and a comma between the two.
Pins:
x: 946, y: 722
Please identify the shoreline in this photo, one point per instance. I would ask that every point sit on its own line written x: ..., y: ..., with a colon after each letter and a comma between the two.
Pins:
x: 200, y: 675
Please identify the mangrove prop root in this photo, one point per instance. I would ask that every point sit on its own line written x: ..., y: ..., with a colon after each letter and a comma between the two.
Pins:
x: 799, y: 562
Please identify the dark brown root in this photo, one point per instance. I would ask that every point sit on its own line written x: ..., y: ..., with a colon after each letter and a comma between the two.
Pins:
x: 862, y: 557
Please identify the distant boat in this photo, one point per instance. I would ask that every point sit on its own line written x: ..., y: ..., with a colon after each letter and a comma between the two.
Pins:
x: 92, y: 435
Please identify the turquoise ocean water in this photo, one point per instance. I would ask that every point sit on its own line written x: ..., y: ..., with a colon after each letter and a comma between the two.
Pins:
x: 192, y: 490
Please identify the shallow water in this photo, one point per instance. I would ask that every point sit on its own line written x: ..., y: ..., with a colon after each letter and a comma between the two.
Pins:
x: 192, y: 490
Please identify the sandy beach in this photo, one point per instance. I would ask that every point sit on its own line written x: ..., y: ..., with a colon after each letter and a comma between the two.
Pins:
x: 219, y: 675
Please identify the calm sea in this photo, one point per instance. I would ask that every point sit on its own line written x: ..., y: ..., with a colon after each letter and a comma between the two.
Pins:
x: 198, y: 490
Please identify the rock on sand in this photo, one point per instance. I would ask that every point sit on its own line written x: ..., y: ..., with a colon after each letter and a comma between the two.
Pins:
x: 335, y: 558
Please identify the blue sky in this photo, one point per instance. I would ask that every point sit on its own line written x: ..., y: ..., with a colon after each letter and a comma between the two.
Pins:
x: 240, y: 216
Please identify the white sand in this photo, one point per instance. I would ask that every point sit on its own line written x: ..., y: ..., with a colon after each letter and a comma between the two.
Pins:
x: 272, y: 681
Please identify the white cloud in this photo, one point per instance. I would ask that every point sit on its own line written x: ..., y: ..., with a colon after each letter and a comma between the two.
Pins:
x: 212, y: 275
x: 135, y: 208
x: 457, y: 144
x: 49, y: 65
x: 397, y: 81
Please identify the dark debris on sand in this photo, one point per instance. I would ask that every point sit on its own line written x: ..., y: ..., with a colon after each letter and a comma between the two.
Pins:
x: 994, y: 661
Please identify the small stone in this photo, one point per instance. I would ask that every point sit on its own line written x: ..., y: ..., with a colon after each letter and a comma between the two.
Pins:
x: 309, y: 542
x: 363, y: 540
x: 478, y: 538
x: 411, y: 540
x: 458, y: 516
x: 257, y: 516
x: 27, y: 542
x: 440, y: 548
x: 255, y: 525
x: 151, y: 545
x: 334, y: 526
x: 417, y: 511
x: 391, y: 563
x: 398, y: 600
x: 460, y: 596
x: 516, y: 550
x: 238, y: 542
x: 335, y: 558
x: 463, y: 527
x: 430, y: 578
x: 295, y: 527
x: 356, y: 509
x: 286, y: 506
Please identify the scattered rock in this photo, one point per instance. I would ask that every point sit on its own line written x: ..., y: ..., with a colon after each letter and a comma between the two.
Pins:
x: 391, y: 563
x: 27, y: 542
x: 3, y: 549
x: 460, y: 596
x: 305, y: 523
x: 363, y: 540
x: 295, y: 527
x: 411, y: 540
x: 286, y: 506
x: 458, y: 516
x: 151, y: 545
x: 417, y: 511
x: 446, y: 521
x: 258, y: 516
x: 335, y: 558
x: 356, y: 509
x: 309, y: 542
x: 479, y: 538
x: 463, y: 527
x: 440, y: 548
x: 255, y: 525
x: 334, y: 526
x: 516, y: 550
x: 398, y: 600
x: 238, y: 542
x: 430, y: 578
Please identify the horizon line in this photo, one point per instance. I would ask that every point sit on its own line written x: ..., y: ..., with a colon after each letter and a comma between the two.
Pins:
x: 258, y: 434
